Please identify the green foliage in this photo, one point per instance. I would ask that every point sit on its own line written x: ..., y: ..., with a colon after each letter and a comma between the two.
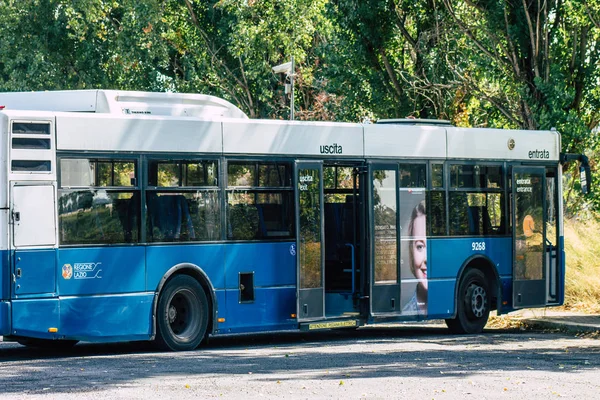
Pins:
x: 495, y: 63
x: 57, y: 44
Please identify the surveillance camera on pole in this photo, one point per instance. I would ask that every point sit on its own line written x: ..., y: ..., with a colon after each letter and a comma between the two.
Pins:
x: 288, y: 69
x: 285, y: 68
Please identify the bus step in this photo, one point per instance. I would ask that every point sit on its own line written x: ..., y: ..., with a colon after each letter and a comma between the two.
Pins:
x: 328, y: 324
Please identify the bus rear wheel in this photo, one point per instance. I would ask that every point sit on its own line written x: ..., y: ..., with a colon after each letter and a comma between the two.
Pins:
x: 182, y: 314
x: 473, y: 304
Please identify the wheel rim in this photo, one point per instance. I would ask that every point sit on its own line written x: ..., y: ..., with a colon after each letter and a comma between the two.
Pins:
x: 183, y: 315
x: 477, y: 300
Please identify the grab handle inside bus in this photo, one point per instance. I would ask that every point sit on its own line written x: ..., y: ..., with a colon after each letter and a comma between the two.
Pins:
x: 585, y: 175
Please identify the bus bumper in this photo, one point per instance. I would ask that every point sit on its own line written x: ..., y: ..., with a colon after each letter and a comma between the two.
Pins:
x: 5, y: 325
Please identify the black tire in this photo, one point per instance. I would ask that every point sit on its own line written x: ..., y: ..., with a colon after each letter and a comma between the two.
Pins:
x: 182, y: 314
x: 473, y: 304
x: 47, y: 344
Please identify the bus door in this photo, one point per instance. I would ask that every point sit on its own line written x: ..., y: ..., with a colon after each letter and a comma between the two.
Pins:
x: 554, y: 268
x: 34, y: 236
x: 308, y: 182
x: 384, y: 240
x: 530, y: 244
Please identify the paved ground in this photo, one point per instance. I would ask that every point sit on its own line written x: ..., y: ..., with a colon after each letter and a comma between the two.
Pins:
x: 383, y: 362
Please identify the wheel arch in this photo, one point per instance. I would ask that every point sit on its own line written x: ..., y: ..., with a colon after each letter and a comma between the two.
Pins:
x: 489, y: 270
x: 197, y: 273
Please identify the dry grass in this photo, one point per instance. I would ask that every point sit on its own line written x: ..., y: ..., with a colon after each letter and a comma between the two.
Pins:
x: 582, y: 292
x: 505, y: 321
x: 582, y: 248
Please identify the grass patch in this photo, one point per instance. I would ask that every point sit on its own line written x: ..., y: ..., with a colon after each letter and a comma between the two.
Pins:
x: 582, y: 248
x: 505, y: 321
x: 582, y: 282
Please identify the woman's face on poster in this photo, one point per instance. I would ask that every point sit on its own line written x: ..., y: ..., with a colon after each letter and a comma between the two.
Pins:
x: 419, y: 250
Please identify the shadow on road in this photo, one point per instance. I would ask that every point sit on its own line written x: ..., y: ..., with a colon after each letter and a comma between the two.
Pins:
x: 426, y: 351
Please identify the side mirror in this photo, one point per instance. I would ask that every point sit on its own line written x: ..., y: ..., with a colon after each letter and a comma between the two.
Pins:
x: 585, y: 174
x: 585, y: 178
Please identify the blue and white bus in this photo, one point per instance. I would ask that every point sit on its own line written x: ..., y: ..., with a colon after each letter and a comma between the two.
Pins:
x: 170, y: 217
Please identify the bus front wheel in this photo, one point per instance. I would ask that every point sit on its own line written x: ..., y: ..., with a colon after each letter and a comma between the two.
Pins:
x: 182, y: 314
x: 473, y: 304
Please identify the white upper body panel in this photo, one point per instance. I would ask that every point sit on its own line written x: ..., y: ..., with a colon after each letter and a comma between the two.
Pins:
x: 402, y: 141
x: 105, y: 132
x: 108, y: 120
x: 148, y: 133
x: 469, y: 143
x: 273, y: 137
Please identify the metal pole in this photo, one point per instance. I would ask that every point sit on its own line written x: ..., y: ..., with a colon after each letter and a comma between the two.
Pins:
x: 292, y: 83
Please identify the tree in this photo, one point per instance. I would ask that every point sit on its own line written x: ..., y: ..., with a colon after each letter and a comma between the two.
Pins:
x: 58, y: 44
x: 227, y: 48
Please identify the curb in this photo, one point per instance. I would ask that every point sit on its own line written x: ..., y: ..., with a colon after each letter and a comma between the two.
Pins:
x: 561, y: 325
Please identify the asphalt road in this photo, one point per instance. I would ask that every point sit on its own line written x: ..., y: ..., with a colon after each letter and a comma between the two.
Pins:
x: 383, y: 362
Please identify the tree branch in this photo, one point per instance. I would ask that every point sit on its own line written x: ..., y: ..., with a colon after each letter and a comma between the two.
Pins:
x: 590, y: 14
x: 557, y: 17
x: 246, y: 88
x: 532, y: 38
x: 400, y: 24
x: 580, y: 69
x: 511, y: 52
x: 214, y: 55
x: 546, y: 42
x: 391, y: 73
x: 470, y: 34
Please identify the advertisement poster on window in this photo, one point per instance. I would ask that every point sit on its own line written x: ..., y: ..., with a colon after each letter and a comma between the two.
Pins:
x: 413, y: 250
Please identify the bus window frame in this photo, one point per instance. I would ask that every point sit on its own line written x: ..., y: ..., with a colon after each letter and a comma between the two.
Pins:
x: 503, y: 191
x: 174, y: 158
x: 226, y: 160
x: 137, y: 159
x: 443, y: 189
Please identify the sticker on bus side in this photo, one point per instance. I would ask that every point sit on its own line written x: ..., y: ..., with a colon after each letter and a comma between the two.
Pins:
x: 333, y: 324
x: 67, y: 271
x: 82, y: 271
x: 478, y: 246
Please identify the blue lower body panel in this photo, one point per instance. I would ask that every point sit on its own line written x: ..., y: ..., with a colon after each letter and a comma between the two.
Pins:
x: 107, y: 318
x: 441, y: 298
x: 446, y: 259
x: 506, y: 284
x: 90, y: 318
x: 5, y: 276
x: 5, y: 323
x: 33, y: 318
x: 271, y: 310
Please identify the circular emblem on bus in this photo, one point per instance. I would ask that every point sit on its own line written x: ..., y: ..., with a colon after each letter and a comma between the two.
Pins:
x: 511, y: 143
x: 67, y: 271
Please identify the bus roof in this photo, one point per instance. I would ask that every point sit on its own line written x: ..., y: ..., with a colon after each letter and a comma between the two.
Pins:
x: 102, y: 120
x: 123, y: 102
x: 415, y: 121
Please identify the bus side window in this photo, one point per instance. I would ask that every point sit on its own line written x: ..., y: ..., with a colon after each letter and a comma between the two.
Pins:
x: 436, y: 207
x: 169, y: 217
x: 259, y: 200
x: 182, y: 201
x: 128, y: 211
x: 476, y: 200
x: 97, y: 202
